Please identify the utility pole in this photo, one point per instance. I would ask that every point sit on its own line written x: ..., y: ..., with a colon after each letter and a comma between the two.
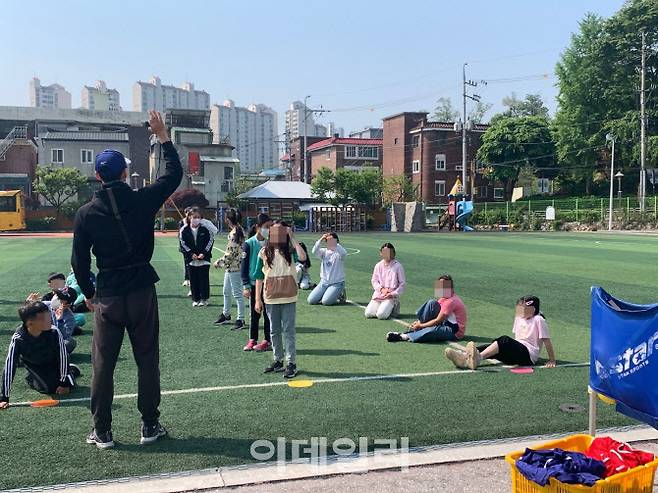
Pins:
x: 466, y: 125
x: 286, y: 150
x: 306, y: 175
x: 643, y: 125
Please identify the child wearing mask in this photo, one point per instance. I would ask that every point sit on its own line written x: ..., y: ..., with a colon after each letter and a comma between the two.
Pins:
x: 231, y: 261
x: 441, y: 319
x: 388, y: 281
x: 530, y: 335
x: 197, y: 242
x: 276, y: 283
x: 331, y: 288
x: 260, y: 232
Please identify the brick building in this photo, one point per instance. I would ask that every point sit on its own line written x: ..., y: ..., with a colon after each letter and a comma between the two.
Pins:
x: 18, y: 160
x: 430, y: 154
x: 294, y: 160
x: 345, y: 153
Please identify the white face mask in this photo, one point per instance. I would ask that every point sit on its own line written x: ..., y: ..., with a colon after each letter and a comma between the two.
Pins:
x: 265, y: 232
x: 196, y: 222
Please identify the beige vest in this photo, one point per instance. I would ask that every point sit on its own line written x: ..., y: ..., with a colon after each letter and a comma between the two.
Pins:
x: 280, y: 284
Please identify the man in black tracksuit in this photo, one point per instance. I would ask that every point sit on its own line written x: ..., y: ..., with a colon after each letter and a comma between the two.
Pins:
x: 117, y: 225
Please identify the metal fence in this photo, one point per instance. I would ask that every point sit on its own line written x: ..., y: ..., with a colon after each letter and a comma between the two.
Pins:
x: 591, y: 209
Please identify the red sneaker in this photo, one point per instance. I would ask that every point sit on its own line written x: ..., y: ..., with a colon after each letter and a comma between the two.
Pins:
x: 250, y: 345
x: 263, y: 346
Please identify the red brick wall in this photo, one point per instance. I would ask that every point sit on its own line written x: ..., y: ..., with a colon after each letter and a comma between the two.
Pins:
x: 397, y: 153
x: 449, y: 143
x: 20, y: 158
x: 319, y: 159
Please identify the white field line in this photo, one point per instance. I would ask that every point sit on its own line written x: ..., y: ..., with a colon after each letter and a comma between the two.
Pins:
x: 199, y: 390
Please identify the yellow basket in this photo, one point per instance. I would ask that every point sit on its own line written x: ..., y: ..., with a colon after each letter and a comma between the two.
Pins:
x: 636, y: 480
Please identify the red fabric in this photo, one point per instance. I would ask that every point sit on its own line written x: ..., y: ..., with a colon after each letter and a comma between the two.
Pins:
x: 617, y: 456
x: 194, y: 162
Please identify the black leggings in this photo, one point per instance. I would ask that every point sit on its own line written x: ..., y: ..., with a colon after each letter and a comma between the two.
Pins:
x: 200, y: 282
x: 254, y: 317
x: 187, y: 269
x: 510, y: 352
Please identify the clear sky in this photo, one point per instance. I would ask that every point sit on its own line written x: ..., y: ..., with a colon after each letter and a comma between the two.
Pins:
x: 362, y: 59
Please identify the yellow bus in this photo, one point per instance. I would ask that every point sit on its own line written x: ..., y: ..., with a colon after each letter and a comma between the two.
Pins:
x: 12, y: 211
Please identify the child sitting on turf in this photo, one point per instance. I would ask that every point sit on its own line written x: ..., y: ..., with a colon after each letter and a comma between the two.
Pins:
x: 56, y: 280
x: 61, y: 315
x: 442, y: 319
x: 79, y: 306
x: 388, y: 281
x: 276, y: 282
x: 331, y: 289
x: 530, y: 334
x: 40, y: 348
x: 303, y: 274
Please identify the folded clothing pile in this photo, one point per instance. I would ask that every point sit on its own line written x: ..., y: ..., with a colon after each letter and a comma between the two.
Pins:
x: 604, y: 458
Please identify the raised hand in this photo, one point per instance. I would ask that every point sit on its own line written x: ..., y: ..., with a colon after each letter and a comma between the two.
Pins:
x: 157, y: 126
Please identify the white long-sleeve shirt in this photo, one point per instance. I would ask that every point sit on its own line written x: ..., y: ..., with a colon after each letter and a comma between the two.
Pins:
x: 332, y: 269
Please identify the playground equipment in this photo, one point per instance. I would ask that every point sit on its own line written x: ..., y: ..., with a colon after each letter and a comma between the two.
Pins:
x: 12, y: 210
x: 463, y: 212
x: 350, y: 218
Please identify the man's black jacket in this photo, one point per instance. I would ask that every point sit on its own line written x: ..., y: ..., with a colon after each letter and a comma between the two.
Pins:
x: 124, y: 266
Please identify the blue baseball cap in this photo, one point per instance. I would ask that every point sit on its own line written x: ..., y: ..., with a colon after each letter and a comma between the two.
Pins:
x: 110, y: 163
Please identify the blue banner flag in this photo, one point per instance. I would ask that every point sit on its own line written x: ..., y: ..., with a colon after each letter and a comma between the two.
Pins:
x: 624, y: 355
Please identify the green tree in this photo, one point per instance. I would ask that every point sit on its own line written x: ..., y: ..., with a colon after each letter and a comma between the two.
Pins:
x: 512, y: 143
x: 398, y: 188
x: 347, y: 187
x: 444, y: 111
x: 532, y: 105
x: 57, y: 185
x: 477, y: 113
x: 240, y: 185
x: 598, y: 78
x: 367, y: 187
x: 323, y: 184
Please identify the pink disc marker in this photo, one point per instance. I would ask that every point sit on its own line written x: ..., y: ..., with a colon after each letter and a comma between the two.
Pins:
x: 522, y: 370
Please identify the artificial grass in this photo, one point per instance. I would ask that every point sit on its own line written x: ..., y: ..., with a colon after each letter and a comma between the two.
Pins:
x: 215, y: 429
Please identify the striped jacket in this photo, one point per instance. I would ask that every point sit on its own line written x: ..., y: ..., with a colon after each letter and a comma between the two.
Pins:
x: 45, y: 351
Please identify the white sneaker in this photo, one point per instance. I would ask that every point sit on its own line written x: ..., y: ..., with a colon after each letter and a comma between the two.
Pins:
x: 189, y: 294
x: 204, y: 303
x: 473, y: 358
x: 185, y: 283
x: 457, y: 357
x: 196, y: 303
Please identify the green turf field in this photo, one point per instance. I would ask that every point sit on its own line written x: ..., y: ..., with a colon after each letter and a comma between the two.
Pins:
x: 216, y: 428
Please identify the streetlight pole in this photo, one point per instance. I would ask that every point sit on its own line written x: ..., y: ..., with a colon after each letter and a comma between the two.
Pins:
x: 464, y: 150
x: 643, y: 126
x: 611, y: 138
x: 304, y: 177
